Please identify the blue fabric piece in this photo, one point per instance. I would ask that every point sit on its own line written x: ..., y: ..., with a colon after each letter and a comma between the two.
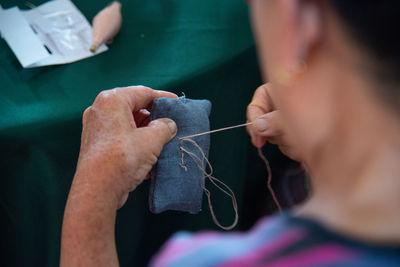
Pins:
x: 173, y: 187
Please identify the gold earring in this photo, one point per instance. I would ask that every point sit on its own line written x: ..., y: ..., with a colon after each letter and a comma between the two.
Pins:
x: 287, y: 77
x: 283, y: 77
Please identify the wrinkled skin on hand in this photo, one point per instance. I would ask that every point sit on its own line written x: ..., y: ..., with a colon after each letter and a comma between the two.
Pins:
x: 118, y: 144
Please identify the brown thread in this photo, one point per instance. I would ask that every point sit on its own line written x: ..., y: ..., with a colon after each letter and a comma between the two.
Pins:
x: 217, y: 130
x: 182, y: 164
x: 200, y: 163
x: 213, y: 180
x: 271, y: 190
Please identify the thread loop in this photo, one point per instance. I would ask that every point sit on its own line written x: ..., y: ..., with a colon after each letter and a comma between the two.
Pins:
x: 203, y: 163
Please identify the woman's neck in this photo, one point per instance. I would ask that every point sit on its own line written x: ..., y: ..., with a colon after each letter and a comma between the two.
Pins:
x: 356, y: 176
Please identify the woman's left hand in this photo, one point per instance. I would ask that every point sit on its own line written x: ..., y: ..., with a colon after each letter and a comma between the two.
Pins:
x: 267, y: 123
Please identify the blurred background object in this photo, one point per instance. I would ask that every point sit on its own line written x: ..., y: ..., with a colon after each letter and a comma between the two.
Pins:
x: 106, y: 25
x: 53, y: 33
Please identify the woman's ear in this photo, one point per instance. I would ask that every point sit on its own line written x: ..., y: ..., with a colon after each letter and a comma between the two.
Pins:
x: 310, y: 21
x: 301, y: 24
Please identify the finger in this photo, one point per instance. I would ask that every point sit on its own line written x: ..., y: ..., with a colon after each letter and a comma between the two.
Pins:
x: 141, y: 117
x: 131, y: 98
x: 258, y: 141
x: 141, y: 97
x: 152, y: 140
x: 260, y: 104
x: 121, y: 103
x: 268, y: 125
x: 159, y: 131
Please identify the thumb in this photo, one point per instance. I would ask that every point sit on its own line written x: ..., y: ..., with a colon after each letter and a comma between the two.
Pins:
x: 145, y: 148
x: 156, y: 134
x: 268, y: 125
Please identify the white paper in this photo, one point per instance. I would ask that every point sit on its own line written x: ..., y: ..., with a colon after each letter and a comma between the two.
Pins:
x: 57, y: 24
x: 20, y: 37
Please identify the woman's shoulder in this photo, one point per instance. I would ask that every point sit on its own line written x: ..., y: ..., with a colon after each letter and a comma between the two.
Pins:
x: 281, y: 240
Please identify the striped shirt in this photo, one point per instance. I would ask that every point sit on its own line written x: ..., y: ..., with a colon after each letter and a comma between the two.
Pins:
x: 282, y: 240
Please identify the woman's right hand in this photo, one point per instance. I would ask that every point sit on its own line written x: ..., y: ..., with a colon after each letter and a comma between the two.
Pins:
x: 267, y: 123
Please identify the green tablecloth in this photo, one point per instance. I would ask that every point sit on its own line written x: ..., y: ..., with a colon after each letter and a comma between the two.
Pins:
x: 203, y: 48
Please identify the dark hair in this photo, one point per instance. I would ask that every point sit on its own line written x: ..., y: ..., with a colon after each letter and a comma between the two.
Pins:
x: 375, y: 25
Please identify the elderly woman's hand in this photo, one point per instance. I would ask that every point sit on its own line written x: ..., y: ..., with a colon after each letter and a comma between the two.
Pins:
x: 119, y: 146
x: 267, y: 126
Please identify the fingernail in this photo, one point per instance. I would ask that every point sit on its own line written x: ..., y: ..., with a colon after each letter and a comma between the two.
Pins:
x: 255, y: 140
x: 172, y: 127
x: 258, y: 142
x: 261, y: 124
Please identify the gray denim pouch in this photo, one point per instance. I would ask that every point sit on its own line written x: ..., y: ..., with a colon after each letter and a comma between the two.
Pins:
x: 174, y: 187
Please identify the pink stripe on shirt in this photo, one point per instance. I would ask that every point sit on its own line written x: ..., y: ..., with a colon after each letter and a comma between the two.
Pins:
x: 328, y: 253
x: 178, y: 246
x: 271, y: 246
